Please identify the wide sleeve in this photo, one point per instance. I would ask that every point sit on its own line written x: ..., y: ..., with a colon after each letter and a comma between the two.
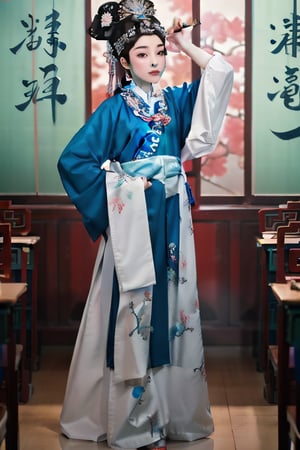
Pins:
x: 80, y: 170
x: 209, y: 109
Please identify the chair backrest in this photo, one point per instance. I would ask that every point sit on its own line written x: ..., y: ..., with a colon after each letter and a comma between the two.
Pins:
x: 5, y: 204
x: 288, y: 253
x: 5, y: 252
x: 293, y: 204
x: 270, y: 219
x: 19, y: 218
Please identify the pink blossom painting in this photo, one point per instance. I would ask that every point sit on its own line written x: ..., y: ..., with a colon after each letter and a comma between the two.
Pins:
x: 223, y: 30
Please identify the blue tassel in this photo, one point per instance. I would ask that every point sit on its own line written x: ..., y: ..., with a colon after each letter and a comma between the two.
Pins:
x: 189, y: 194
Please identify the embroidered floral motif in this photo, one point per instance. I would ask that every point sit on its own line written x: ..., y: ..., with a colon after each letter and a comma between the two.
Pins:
x: 202, y: 370
x: 142, y: 110
x: 172, y: 262
x: 180, y: 327
x: 183, y: 266
x: 183, y: 263
x: 143, y: 317
x: 172, y: 275
x: 157, y: 121
x: 154, y: 425
x: 182, y: 280
x: 117, y: 205
x: 138, y: 391
x: 106, y: 19
x: 191, y: 228
x: 172, y: 252
x: 184, y: 317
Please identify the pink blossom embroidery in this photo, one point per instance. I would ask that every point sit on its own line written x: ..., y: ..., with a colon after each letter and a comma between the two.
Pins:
x: 148, y: 296
x: 106, y: 19
x: 180, y: 327
x: 183, y: 263
x: 117, y: 205
x: 184, y: 318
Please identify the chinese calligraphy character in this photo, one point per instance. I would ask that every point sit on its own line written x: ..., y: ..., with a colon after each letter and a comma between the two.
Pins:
x: 291, y: 92
x: 34, y: 93
x: 31, y: 94
x: 287, y: 135
x: 291, y: 99
x: 53, y: 40
x: 51, y: 86
x: 51, y: 83
x: 33, y: 43
x: 291, y: 38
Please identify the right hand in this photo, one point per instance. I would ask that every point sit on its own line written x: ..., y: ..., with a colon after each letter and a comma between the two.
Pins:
x: 146, y: 182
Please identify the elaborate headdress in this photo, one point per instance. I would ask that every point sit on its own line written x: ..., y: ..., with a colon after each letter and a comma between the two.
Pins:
x: 118, y: 23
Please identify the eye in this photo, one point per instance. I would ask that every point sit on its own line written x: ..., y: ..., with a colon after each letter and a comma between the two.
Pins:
x: 161, y: 53
x: 142, y: 55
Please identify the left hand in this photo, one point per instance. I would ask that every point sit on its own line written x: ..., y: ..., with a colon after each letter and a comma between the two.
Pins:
x: 177, y: 36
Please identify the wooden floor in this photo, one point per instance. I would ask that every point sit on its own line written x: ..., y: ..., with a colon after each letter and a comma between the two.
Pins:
x: 243, y: 420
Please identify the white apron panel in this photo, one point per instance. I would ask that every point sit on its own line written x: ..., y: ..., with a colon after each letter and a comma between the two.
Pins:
x: 84, y: 410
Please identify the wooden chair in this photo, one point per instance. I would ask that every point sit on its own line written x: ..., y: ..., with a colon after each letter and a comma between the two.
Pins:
x: 270, y: 219
x: 293, y: 411
x: 288, y: 255
x: 293, y: 204
x: 10, y: 294
x: 18, y: 217
x: 3, y: 422
x: 5, y: 252
x: 20, y: 220
x: 5, y: 277
x: 288, y: 270
x: 288, y: 342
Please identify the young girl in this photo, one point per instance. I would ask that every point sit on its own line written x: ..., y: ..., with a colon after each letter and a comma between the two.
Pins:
x: 137, y: 375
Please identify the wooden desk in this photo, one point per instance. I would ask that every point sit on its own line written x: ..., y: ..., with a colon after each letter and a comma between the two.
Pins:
x: 10, y: 293
x: 268, y: 304
x: 25, y: 266
x: 288, y: 300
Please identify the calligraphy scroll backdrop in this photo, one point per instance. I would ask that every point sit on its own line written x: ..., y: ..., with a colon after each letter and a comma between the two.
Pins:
x: 276, y: 98
x: 42, y: 90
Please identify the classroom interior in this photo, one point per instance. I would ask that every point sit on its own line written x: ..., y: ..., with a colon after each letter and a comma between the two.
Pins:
x: 246, y: 222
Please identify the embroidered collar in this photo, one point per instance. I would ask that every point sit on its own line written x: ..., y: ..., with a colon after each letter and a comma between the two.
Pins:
x: 150, y: 108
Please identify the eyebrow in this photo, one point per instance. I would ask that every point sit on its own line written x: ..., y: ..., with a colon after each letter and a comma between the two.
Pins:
x: 146, y: 46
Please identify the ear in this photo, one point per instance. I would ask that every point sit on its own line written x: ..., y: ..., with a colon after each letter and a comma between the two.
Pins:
x: 124, y: 63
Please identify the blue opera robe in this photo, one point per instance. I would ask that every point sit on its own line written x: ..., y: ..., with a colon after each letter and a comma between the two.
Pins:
x: 161, y: 390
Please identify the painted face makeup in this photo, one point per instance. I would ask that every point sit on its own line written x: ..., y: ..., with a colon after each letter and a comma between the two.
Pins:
x: 147, y: 61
